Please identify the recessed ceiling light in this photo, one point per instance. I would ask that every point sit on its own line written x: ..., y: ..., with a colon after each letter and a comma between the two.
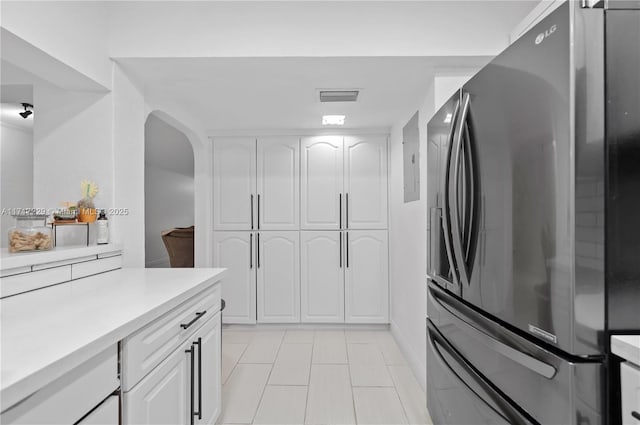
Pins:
x: 447, y: 119
x: 333, y: 119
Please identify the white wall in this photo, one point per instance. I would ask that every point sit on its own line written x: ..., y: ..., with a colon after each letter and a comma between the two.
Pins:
x: 72, y: 134
x: 408, y: 231
x: 74, y: 32
x: 16, y: 173
x: 169, y: 186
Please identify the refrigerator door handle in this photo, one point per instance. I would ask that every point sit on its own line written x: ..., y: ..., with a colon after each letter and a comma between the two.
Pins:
x: 454, y: 175
x: 523, y: 359
x: 439, y: 344
x: 445, y: 190
x: 470, y: 206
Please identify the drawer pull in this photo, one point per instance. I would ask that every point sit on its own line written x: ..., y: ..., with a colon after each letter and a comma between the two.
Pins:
x: 199, y: 314
x: 635, y: 414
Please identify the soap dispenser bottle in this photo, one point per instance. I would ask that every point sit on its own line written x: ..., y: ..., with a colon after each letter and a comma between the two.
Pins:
x: 103, y: 229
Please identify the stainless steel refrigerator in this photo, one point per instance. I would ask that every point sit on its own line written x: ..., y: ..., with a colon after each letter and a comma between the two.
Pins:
x: 534, y: 225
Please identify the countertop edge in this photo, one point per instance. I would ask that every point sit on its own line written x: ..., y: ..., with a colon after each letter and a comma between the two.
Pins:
x: 627, y: 347
x: 25, y: 259
x: 27, y: 386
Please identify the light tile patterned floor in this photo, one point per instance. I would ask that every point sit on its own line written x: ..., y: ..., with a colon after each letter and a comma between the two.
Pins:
x: 327, y: 376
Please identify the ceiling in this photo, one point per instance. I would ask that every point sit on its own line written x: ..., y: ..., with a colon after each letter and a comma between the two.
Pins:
x: 282, y: 93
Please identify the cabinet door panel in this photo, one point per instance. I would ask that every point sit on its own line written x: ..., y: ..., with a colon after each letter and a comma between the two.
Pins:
x: 322, y: 182
x: 279, y: 277
x: 365, y: 181
x: 234, y: 182
x: 210, y: 338
x: 236, y: 252
x: 367, y: 277
x: 162, y: 397
x: 322, y: 281
x: 278, y: 183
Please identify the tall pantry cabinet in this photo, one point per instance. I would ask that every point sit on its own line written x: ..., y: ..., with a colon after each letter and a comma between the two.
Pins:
x: 256, y: 223
x: 301, y: 224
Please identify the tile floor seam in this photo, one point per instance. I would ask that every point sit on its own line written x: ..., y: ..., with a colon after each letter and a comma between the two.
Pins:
x: 266, y: 384
x: 306, y: 403
x: 236, y: 363
x: 353, y: 401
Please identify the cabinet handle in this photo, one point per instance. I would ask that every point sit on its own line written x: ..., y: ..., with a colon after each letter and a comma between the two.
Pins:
x: 251, y: 251
x: 258, y: 247
x: 191, y: 351
x: 258, y: 211
x: 347, y: 249
x: 346, y: 216
x: 340, y: 249
x: 199, y: 343
x: 636, y: 415
x: 340, y: 208
x: 199, y: 314
x: 251, y: 211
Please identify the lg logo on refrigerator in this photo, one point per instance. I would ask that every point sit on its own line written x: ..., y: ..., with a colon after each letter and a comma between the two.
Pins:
x: 540, y: 38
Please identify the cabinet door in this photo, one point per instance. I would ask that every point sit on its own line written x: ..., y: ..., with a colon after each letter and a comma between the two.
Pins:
x: 210, y: 338
x: 322, y: 281
x: 367, y: 277
x: 234, y: 183
x: 278, y: 203
x: 278, y: 267
x: 163, y: 396
x: 322, y: 182
x: 365, y: 182
x: 235, y: 251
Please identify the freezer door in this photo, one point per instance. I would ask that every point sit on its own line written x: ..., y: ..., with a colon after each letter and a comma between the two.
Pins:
x: 551, y: 389
x: 440, y: 131
x: 458, y: 395
x: 537, y: 168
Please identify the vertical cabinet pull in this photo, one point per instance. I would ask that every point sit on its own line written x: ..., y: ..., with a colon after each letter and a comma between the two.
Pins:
x: 258, y: 248
x: 346, y: 216
x: 191, y: 351
x: 340, y: 249
x: 340, y: 209
x: 251, y: 250
x: 347, y: 249
x: 251, y: 200
x: 199, y: 343
x: 258, y: 211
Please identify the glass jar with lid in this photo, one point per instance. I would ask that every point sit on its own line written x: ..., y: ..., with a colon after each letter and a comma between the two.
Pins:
x: 30, y: 233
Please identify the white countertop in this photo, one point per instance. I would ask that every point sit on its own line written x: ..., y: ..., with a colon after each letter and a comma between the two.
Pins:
x: 14, y: 260
x: 48, y: 332
x: 627, y: 347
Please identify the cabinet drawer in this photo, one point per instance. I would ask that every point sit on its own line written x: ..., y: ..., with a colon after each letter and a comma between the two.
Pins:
x: 89, y: 268
x: 28, y: 281
x: 143, y: 350
x: 71, y: 396
x: 630, y: 381
x: 108, y: 413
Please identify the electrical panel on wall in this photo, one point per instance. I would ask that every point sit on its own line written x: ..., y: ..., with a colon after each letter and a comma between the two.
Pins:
x: 411, y: 159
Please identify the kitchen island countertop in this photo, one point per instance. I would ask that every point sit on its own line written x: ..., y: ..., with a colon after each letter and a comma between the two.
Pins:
x: 627, y: 347
x: 48, y: 332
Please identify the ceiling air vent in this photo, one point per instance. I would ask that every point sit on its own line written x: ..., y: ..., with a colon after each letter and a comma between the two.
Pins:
x: 338, y: 95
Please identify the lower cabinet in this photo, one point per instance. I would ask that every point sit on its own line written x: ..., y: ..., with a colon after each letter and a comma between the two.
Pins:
x: 185, y: 387
x: 263, y: 280
x: 345, y: 276
x: 630, y: 390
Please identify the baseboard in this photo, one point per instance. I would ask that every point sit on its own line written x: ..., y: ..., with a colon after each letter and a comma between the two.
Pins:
x: 415, y: 362
x: 303, y: 326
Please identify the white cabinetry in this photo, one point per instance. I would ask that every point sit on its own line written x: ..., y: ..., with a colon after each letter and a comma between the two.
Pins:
x: 322, y: 281
x: 322, y: 182
x: 185, y: 386
x: 367, y: 277
x: 278, y: 277
x: 345, y: 276
x: 630, y: 382
x: 234, y: 183
x: 235, y: 251
x: 278, y: 194
x: 365, y: 182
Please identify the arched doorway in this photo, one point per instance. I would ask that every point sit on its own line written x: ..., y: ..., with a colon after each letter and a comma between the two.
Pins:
x: 169, y: 193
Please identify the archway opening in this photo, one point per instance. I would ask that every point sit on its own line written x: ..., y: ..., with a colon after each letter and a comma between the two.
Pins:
x: 169, y: 195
